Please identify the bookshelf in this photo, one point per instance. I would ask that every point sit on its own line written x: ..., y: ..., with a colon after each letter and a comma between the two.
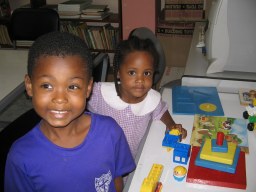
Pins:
x: 100, y: 35
x: 78, y: 26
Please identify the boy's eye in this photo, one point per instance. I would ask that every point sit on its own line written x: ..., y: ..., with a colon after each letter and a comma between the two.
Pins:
x: 147, y: 73
x: 73, y: 87
x: 46, y: 86
x: 132, y: 73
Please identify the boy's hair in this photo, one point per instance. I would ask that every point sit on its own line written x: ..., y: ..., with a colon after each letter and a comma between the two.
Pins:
x: 59, y: 44
x: 131, y: 45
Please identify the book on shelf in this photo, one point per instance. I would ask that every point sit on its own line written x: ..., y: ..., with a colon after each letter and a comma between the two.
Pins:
x: 246, y: 96
x: 74, y: 5
x: 69, y: 14
x: 100, y: 16
x: 234, y: 129
x: 4, y: 36
x: 96, y: 12
x: 95, y: 8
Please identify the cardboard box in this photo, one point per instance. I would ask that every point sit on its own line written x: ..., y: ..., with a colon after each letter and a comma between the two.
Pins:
x: 183, y: 10
x: 175, y: 39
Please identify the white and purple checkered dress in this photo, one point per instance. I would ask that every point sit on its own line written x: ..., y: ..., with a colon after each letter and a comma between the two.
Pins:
x: 133, y: 118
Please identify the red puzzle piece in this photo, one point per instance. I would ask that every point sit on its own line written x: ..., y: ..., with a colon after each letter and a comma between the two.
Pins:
x: 201, y: 175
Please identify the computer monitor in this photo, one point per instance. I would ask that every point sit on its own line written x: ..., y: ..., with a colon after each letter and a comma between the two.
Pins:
x: 230, y: 37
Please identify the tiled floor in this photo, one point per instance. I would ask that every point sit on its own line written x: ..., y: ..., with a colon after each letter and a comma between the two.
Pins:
x: 19, y: 106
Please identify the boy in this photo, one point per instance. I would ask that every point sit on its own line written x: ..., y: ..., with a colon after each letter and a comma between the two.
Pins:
x: 69, y: 150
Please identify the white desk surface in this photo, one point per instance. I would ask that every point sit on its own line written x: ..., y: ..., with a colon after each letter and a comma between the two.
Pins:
x: 12, y: 71
x: 153, y: 152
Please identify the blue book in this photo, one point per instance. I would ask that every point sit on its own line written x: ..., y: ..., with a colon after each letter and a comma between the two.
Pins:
x: 196, y: 100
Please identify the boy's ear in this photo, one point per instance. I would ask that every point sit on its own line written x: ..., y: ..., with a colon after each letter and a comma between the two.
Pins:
x: 89, y: 88
x: 28, y: 85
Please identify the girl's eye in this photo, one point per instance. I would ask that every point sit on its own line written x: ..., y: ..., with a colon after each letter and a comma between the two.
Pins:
x: 147, y: 73
x: 46, y: 86
x: 132, y: 73
x: 73, y: 87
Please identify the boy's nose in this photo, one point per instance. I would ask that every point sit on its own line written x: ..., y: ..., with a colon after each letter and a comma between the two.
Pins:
x: 60, y: 97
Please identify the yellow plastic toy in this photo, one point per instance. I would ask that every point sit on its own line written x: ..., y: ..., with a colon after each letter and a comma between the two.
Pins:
x: 219, y: 157
x: 179, y: 173
x: 150, y: 182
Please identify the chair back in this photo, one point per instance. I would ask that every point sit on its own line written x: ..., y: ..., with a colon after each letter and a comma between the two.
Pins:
x: 30, y: 23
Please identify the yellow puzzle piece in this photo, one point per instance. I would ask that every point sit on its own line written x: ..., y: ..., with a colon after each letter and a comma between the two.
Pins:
x: 219, y: 157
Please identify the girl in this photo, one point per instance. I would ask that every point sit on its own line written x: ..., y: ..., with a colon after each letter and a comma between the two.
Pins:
x: 130, y: 100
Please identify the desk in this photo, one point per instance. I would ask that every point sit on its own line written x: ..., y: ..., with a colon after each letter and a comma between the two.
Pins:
x: 153, y: 152
x: 12, y: 71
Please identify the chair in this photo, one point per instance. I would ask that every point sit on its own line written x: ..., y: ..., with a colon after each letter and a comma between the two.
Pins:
x: 100, y: 67
x: 13, y: 131
x: 145, y: 33
x: 27, y: 24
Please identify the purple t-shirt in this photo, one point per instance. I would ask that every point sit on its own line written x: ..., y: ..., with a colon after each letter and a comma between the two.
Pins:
x: 133, y: 118
x: 36, y: 164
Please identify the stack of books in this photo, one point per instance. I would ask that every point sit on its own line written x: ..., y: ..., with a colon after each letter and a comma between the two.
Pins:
x: 72, y: 8
x: 95, y: 12
x: 179, y: 10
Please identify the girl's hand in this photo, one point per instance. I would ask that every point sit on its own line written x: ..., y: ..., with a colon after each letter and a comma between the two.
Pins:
x: 180, y: 128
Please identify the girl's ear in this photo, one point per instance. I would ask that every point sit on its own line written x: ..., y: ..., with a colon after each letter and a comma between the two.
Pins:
x: 118, y: 75
x: 28, y: 86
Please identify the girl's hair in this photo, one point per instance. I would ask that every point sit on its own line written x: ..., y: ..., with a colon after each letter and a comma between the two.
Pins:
x: 131, y: 45
x: 59, y: 44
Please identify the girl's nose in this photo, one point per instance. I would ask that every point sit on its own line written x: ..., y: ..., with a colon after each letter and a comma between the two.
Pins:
x: 140, y: 79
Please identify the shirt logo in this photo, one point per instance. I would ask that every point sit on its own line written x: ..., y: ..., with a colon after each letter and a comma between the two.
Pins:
x: 102, y: 183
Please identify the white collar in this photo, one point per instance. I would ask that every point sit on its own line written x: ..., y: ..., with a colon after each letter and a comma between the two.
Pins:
x: 150, y: 102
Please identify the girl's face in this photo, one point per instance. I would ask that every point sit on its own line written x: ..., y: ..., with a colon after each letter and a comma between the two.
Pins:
x: 136, y: 76
x: 59, y: 87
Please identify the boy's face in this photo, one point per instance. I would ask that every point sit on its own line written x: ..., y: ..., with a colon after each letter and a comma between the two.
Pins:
x: 136, y: 76
x: 59, y: 87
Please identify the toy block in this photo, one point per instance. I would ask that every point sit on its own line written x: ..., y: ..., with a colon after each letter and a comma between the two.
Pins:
x: 226, y: 158
x: 219, y: 148
x: 151, y: 181
x: 219, y: 166
x: 181, y: 153
x: 205, y: 176
x: 170, y: 140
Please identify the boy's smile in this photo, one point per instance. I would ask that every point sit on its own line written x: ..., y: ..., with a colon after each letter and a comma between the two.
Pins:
x: 59, y: 87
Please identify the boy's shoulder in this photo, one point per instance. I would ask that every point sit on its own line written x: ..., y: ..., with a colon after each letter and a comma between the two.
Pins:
x: 104, y: 123
x: 29, y: 139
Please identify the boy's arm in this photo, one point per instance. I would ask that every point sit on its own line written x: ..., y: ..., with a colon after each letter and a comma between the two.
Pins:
x: 119, y: 184
x: 170, y: 124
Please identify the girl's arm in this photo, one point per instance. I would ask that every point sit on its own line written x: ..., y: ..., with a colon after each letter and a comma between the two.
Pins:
x: 170, y: 124
x: 119, y: 184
